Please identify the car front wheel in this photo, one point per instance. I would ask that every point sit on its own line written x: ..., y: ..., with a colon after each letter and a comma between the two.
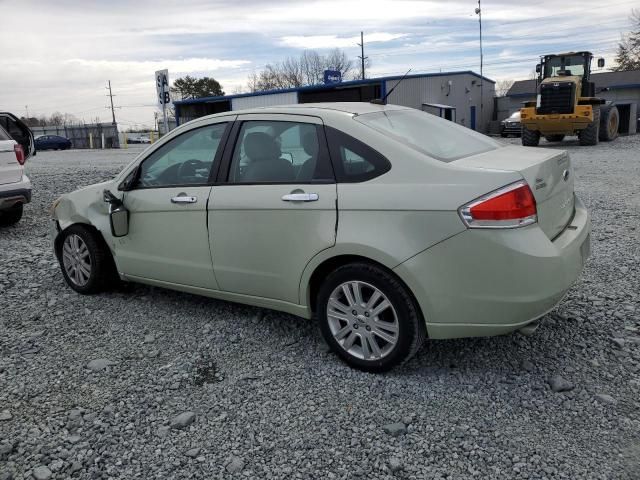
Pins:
x: 369, y: 318
x: 85, y: 260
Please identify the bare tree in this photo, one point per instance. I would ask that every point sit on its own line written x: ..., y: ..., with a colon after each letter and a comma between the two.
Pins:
x: 308, y: 69
x: 628, y: 56
x: 502, y: 87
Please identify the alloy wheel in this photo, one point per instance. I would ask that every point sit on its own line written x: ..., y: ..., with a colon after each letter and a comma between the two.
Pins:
x: 362, y: 320
x: 76, y: 260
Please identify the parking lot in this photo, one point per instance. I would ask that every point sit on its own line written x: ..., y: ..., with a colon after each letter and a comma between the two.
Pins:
x: 190, y: 387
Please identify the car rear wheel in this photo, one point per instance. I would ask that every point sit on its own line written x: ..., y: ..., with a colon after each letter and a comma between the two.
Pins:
x: 85, y: 260
x: 369, y: 318
x: 11, y: 216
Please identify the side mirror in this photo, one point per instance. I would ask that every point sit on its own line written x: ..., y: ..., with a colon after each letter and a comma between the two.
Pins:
x: 538, y: 68
x: 600, y: 62
x: 118, y: 215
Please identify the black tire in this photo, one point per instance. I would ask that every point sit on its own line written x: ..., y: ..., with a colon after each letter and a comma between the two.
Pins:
x: 609, y: 123
x: 11, y: 216
x: 103, y: 274
x: 589, y: 136
x: 554, y: 138
x: 410, y: 323
x: 530, y: 138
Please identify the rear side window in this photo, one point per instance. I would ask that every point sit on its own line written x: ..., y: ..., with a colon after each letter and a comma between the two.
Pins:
x: 4, y: 135
x: 353, y: 160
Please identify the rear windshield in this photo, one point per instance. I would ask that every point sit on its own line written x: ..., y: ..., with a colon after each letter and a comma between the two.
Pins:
x: 426, y: 133
x: 4, y: 135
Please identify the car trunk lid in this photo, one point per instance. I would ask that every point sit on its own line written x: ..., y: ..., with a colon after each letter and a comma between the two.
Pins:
x: 549, y: 174
x: 10, y: 169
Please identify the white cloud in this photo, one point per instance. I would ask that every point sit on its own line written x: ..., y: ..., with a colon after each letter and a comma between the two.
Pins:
x: 333, y: 41
x: 68, y: 50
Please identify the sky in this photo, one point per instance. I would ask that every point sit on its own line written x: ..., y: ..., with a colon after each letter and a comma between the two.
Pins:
x: 59, y: 55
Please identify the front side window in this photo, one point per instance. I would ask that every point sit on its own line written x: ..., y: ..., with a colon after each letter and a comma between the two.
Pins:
x: 185, y: 160
x: 279, y: 152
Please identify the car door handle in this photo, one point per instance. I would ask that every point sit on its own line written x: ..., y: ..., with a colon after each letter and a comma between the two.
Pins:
x: 300, y: 197
x: 184, y: 199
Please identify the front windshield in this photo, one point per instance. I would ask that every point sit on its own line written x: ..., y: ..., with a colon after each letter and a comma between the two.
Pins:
x: 564, y: 66
x: 428, y: 134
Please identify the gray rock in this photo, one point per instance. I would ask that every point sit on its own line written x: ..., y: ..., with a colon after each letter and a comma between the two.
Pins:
x: 606, y: 399
x: 100, y: 364
x: 75, y: 467
x: 41, y: 473
x: 183, y: 420
x: 395, y: 465
x: 192, y: 453
x: 163, y: 431
x: 618, y: 342
x: 56, y: 465
x: 235, y: 465
x: 149, y: 338
x: 527, y: 365
x: 5, y: 415
x: 395, y: 429
x: 559, y: 384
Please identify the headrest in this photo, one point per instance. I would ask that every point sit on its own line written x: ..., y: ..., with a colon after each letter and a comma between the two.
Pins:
x: 260, y: 146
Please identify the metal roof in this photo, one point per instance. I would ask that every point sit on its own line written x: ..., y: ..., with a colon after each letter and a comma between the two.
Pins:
x: 438, y: 105
x: 332, y: 86
x: 612, y: 80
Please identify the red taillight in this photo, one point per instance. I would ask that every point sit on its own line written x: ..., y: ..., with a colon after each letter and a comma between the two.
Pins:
x: 509, y: 207
x: 19, y: 154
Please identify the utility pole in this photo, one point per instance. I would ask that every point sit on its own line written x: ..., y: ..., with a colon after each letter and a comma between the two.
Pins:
x: 361, y: 56
x: 113, y: 112
x: 479, y: 13
x: 26, y: 107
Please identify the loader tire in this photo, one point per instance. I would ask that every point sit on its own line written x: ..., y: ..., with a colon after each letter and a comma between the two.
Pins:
x: 530, y: 138
x: 589, y: 136
x: 609, y: 123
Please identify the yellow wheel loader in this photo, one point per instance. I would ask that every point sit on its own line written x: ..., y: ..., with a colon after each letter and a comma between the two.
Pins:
x: 566, y: 103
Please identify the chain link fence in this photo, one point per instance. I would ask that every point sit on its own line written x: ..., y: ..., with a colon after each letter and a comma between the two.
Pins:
x: 96, y: 135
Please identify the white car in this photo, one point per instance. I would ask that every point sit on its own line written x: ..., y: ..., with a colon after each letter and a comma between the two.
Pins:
x: 15, y: 187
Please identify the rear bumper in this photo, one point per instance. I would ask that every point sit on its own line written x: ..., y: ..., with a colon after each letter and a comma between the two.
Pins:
x: 560, y: 123
x: 14, y: 193
x: 490, y: 282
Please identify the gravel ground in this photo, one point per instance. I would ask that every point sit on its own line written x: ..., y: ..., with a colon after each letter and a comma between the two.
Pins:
x: 148, y: 383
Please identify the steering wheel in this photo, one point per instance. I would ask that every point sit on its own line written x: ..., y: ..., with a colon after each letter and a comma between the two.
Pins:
x: 192, y: 164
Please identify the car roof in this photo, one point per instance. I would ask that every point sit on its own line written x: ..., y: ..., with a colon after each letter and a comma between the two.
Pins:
x: 350, y: 108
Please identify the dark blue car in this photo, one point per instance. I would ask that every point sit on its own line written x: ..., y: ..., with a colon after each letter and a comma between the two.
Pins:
x: 52, y: 142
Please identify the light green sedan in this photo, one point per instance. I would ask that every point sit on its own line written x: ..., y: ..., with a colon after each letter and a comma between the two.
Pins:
x: 386, y: 224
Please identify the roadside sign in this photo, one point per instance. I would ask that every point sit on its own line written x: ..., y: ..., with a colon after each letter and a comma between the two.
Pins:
x: 332, y: 76
x: 162, y: 90
x: 162, y: 87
